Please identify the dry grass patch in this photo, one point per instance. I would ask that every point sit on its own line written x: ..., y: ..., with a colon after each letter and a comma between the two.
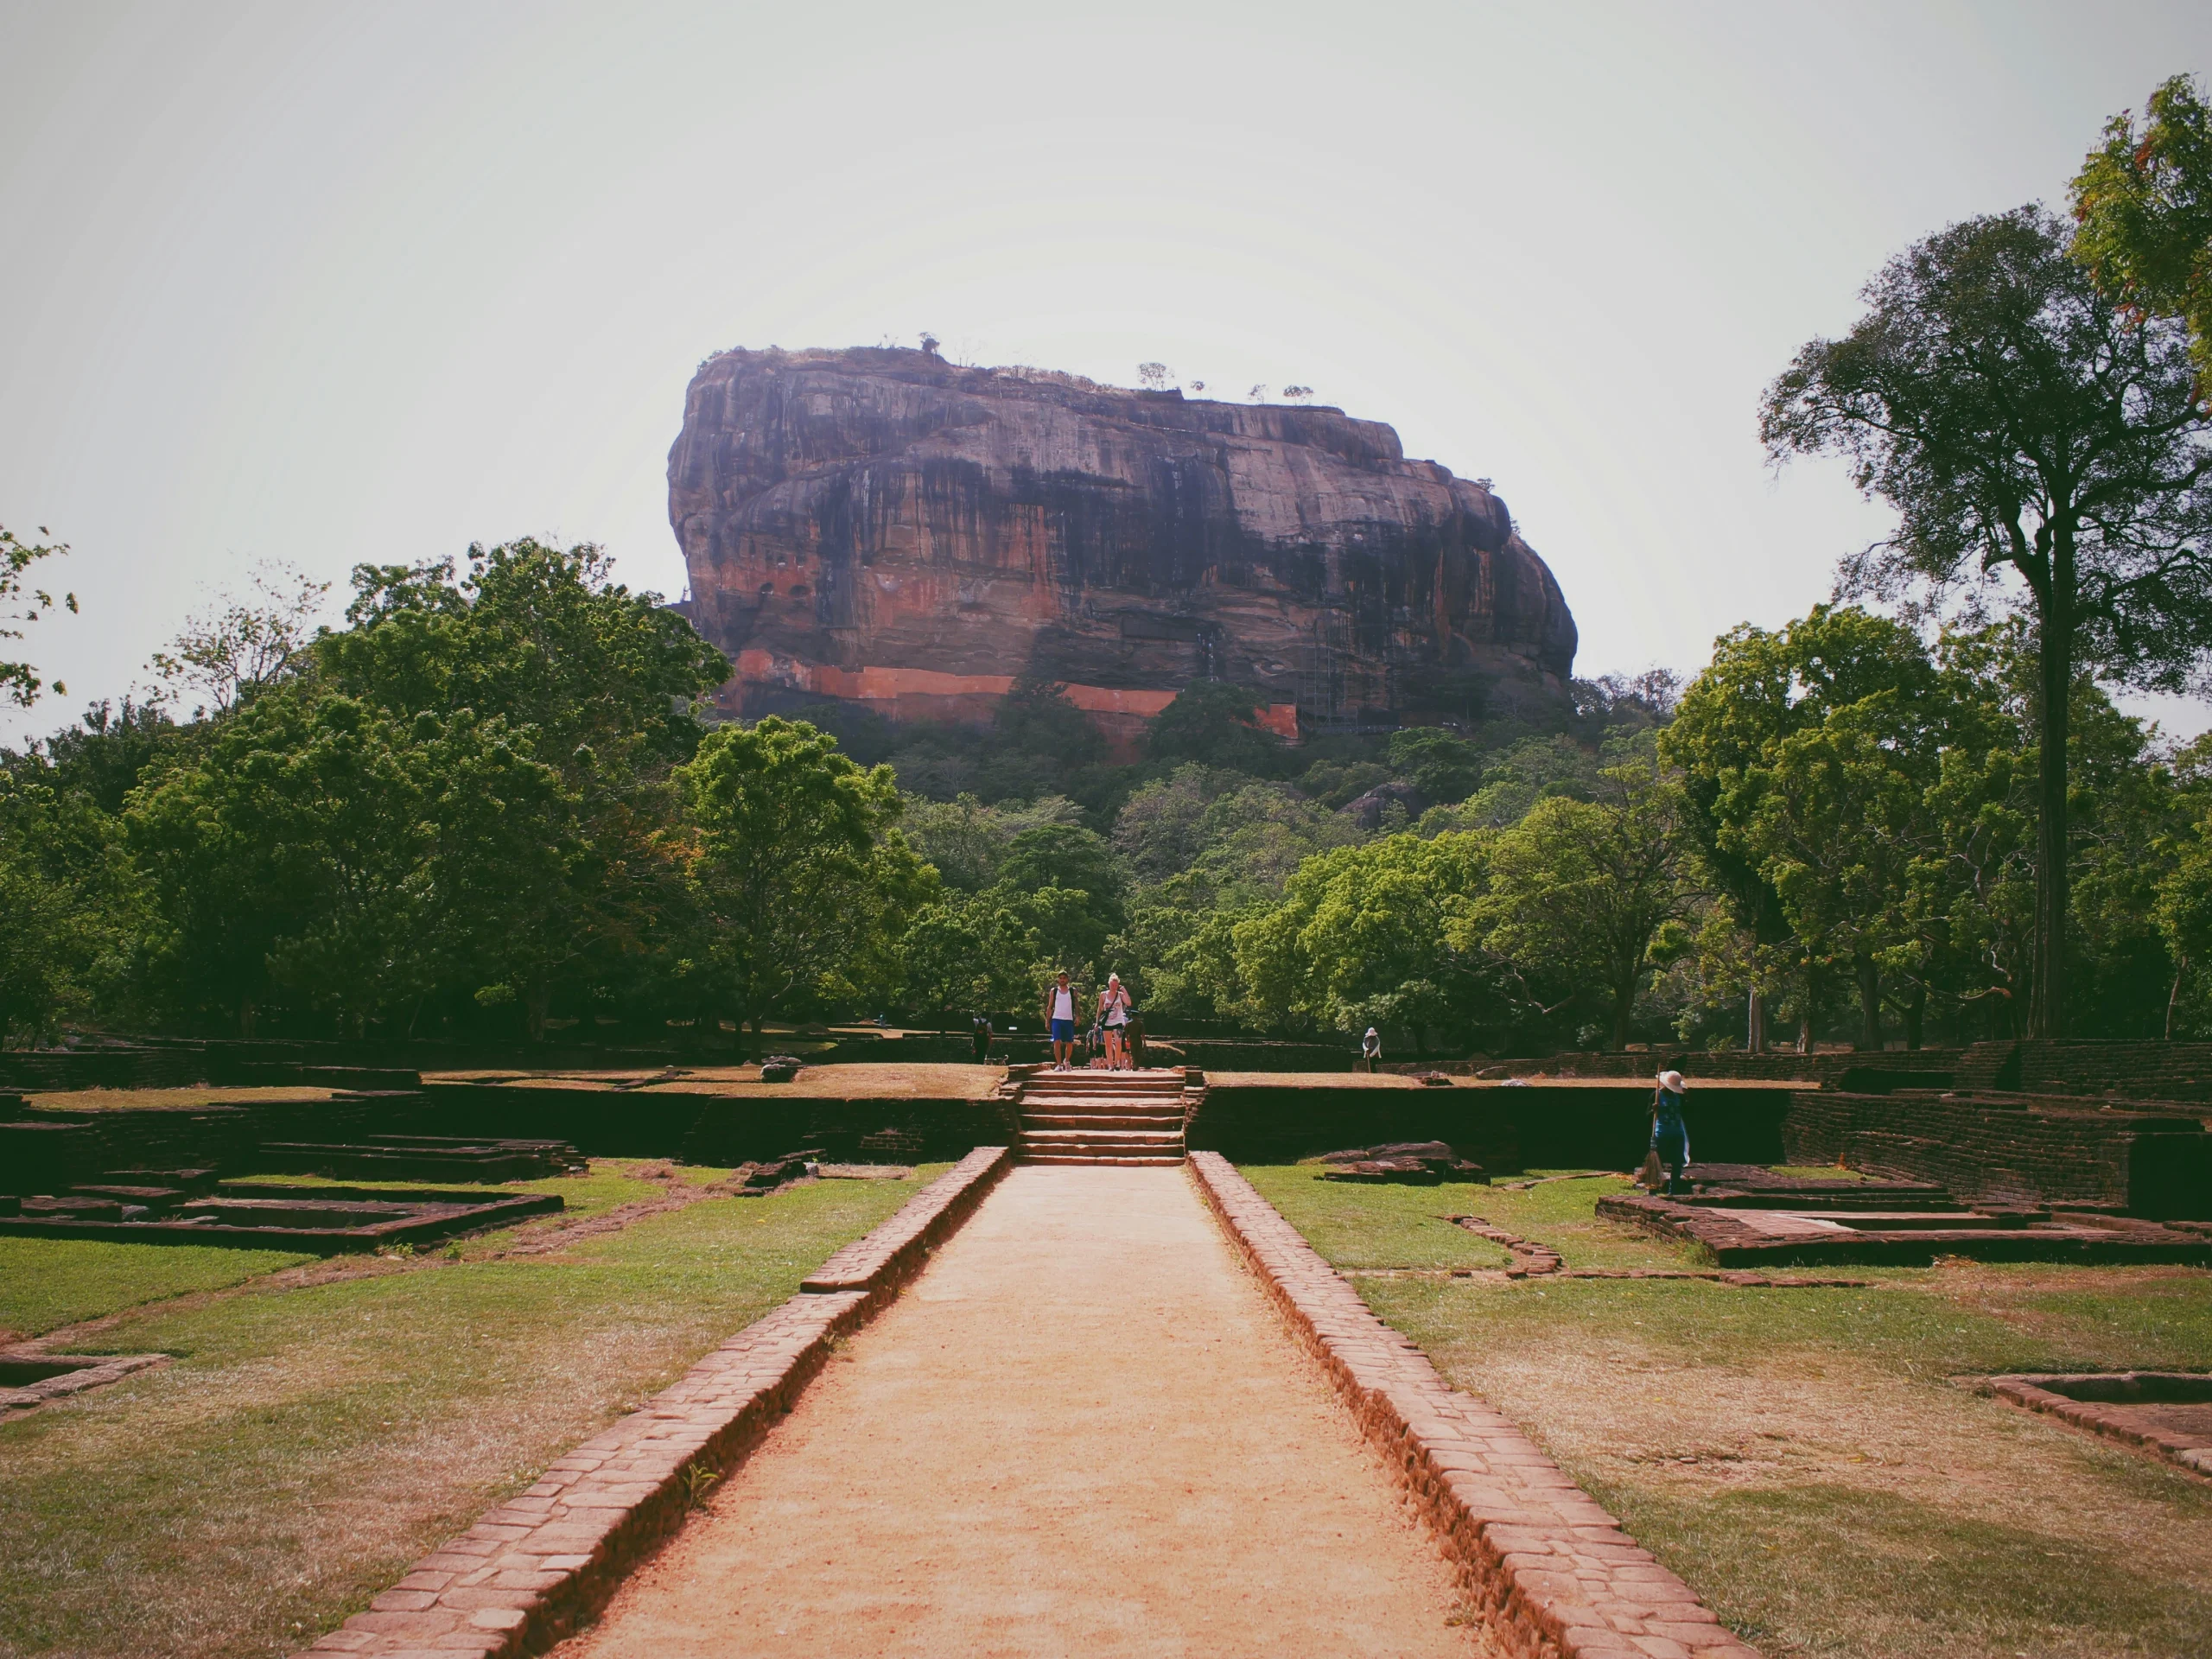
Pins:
x: 116, y: 1100
x: 311, y: 1439
x: 851, y: 1080
x: 1804, y: 1459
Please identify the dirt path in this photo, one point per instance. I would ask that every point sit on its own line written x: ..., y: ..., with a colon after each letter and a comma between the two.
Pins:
x: 1081, y: 1431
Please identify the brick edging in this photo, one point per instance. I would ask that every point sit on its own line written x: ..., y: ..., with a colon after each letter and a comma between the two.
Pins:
x: 533, y: 1568
x: 1555, y: 1574
x: 2028, y: 1390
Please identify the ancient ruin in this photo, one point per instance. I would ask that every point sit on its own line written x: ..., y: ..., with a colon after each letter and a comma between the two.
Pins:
x: 888, y: 527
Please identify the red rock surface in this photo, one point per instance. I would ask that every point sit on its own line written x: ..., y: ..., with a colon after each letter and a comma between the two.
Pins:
x: 883, y: 525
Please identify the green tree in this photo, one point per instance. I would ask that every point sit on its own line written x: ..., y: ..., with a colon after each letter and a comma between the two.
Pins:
x: 786, y: 860
x: 2143, y: 211
x: 1380, y: 934
x: 284, y: 835
x: 1784, y: 744
x: 1216, y: 724
x: 71, y: 901
x: 1443, y: 768
x: 245, y: 645
x: 1594, y: 893
x: 2014, y: 418
x: 540, y: 636
x: 21, y: 603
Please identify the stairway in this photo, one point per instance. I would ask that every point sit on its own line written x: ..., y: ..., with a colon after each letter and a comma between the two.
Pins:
x: 1104, y: 1117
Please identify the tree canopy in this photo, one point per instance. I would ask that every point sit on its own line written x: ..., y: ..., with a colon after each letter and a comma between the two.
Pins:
x: 2016, y: 420
x: 2143, y: 213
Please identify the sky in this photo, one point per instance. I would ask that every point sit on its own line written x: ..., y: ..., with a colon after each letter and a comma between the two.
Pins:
x: 321, y: 284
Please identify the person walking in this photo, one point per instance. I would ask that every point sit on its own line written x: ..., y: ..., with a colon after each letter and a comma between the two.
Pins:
x: 1670, y: 1134
x: 981, y: 1035
x: 1371, y: 1049
x: 1114, y: 1014
x: 1059, y: 1019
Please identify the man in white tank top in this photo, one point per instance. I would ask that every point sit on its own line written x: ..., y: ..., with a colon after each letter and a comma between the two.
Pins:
x: 1059, y: 1019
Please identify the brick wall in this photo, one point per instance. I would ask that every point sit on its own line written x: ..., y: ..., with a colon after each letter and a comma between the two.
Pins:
x: 2012, y: 1147
x: 1505, y: 1129
x: 47, y: 1151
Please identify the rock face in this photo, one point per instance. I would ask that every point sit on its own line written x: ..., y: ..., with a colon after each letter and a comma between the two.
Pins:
x: 884, y: 526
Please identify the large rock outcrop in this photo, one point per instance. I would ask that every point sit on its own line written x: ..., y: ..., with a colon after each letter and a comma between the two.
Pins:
x: 885, y: 526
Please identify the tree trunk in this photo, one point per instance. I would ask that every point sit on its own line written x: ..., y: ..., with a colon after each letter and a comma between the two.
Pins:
x: 536, y: 1005
x: 1915, y: 1018
x: 2047, y: 996
x: 1623, y: 1009
x: 1808, y: 1014
x: 1756, y: 1038
x: 248, y: 1012
x: 2174, y: 995
x: 1870, y: 1000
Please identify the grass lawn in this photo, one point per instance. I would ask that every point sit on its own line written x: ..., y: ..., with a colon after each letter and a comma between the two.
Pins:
x: 47, y: 1282
x: 316, y: 1434
x: 1802, y: 1458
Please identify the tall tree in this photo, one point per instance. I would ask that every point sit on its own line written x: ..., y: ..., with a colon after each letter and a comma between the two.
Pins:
x: 2014, y: 417
x: 1592, y: 890
x: 1379, y: 934
x: 1765, y: 692
x: 789, y: 836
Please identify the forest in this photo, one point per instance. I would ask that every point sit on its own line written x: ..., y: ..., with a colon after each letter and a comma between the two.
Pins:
x: 489, y: 805
x: 492, y: 802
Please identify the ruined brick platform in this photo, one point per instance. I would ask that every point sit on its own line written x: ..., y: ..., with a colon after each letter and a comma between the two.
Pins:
x: 1846, y: 1224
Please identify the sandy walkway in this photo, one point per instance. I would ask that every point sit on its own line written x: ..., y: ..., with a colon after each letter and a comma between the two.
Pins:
x: 1081, y: 1432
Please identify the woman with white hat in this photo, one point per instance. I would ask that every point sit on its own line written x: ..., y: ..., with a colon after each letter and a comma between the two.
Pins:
x: 1670, y: 1135
x: 1114, y: 1014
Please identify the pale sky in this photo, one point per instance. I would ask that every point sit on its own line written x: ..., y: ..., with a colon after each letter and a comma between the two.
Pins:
x: 325, y: 283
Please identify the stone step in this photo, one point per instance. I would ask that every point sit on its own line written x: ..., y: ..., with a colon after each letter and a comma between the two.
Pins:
x: 1154, y: 1104
x: 1102, y: 1080
x: 1124, y: 1159
x: 1074, y: 1084
x: 1036, y: 1122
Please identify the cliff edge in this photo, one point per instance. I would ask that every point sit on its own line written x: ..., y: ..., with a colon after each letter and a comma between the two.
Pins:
x: 881, y: 525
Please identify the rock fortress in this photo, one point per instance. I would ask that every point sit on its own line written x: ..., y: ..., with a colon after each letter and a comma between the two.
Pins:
x: 886, y: 528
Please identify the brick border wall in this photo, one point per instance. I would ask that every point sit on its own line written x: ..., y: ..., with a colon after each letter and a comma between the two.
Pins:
x: 533, y: 1568
x: 2012, y: 1147
x: 2121, y: 1389
x: 1555, y: 1574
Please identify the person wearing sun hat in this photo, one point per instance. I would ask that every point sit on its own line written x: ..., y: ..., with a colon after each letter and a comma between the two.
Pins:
x: 1670, y: 1135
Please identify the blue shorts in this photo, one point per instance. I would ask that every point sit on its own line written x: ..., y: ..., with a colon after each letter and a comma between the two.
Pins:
x: 1064, y: 1031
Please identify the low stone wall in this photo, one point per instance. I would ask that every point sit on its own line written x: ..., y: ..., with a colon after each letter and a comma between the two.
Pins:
x: 45, y: 1150
x: 1555, y: 1574
x: 2013, y: 1149
x: 1505, y: 1129
x: 704, y: 1127
x: 2179, y: 1073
